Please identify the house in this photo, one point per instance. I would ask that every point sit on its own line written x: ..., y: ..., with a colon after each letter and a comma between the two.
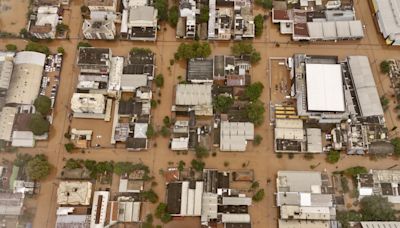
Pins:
x: 186, y: 27
x: 200, y: 70
x: 99, y: 209
x: 43, y: 24
x: 195, y: 97
x: 234, y: 135
x: 74, y: 193
x: 98, y: 29
x: 184, y: 198
x: 304, y: 197
x: 88, y: 103
x: 141, y: 23
x: 102, y: 5
x: 386, y: 13
x: 81, y: 138
x: 289, y: 135
x: 93, y: 60
x: 124, y: 210
x: 11, y: 204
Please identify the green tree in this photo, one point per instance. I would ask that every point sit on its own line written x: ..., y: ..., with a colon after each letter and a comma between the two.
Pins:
x: 259, y: 24
x: 167, y: 121
x: 72, y: 164
x: 246, y: 49
x: 38, y: 168
x: 254, y: 91
x: 344, y: 217
x: 385, y: 66
x: 104, y: 167
x: 90, y: 165
x: 257, y: 140
x: 150, y: 195
x: 33, y: 46
x: 85, y: 11
x: 38, y: 124
x: 60, y: 50
x: 42, y: 104
x: 140, y: 51
x: 204, y: 14
x: 197, y: 165
x: 255, y: 185
x: 69, y: 147
x: 201, y: 152
x: 150, y: 131
x: 165, y: 131
x: 22, y: 159
x: 123, y: 167
x: 83, y: 44
x: 162, y: 7
x: 333, y: 156
x: 11, y: 47
x: 173, y: 16
x: 259, y: 195
x: 255, y: 112
x: 159, y: 80
x: 181, y: 165
x: 192, y: 50
x: 62, y: 28
x: 266, y: 4
x: 166, y: 217
x: 396, y: 143
x: 160, y: 210
x: 354, y: 171
x: 377, y: 208
x: 222, y: 103
x: 384, y: 102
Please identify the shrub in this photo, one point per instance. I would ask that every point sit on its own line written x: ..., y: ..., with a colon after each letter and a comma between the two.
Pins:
x: 385, y: 67
x: 257, y: 140
x: 150, y: 131
x: 259, y: 195
x: 173, y: 16
x: 150, y: 196
x: 60, y: 50
x: 197, y: 165
x: 69, y: 147
x: 259, y: 24
x: 33, y: 46
x: 159, y: 80
x: 201, y: 152
x: 11, y: 47
x: 333, y: 156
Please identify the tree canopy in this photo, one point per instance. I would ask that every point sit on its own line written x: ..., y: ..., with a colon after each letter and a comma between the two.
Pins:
x: 162, y: 213
x: 197, y: 165
x: 266, y: 4
x: 38, y: 124
x: 33, y: 46
x: 246, y: 49
x: 204, y: 14
x: 159, y: 80
x: 38, y: 167
x: 255, y: 112
x: 60, y: 50
x: 162, y: 7
x: 259, y: 195
x: 354, y: 171
x: 344, y: 217
x: 42, y: 104
x: 201, y: 152
x: 385, y: 66
x: 192, y: 50
x: 222, y: 103
x: 150, y: 195
x: 333, y: 156
x: 259, y: 24
x: 396, y: 143
x: 254, y: 91
x: 11, y: 47
x: 173, y: 16
x: 377, y: 208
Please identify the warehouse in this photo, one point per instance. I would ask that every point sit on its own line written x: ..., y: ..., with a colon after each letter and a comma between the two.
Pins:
x: 387, y: 14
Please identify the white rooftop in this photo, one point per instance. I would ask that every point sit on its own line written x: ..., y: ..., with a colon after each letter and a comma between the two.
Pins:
x: 325, y: 87
x: 74, y: 193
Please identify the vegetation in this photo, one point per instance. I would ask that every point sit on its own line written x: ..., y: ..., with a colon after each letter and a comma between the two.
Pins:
x: 254, y: 91
x: 150, y: 195
x: 167, y: 121
x: 384, y: 102
x: 396, y: 143
x: 197, y: 165
x: 69, y: 147
x: 308, y: 156
x: 255, y: 112
x: 165, y: 131
x: 11, y: 47
x: 73, y: 164
x: 42, y: 104
x: 385, y: 66
x: 38, y: 167
x: 140, y: 51
x: 60, y: 50
x: 259, y: 24
x: 204, y: 14
x: 38, y: 124
x: 243, y: 48
x: 266, y: 4
x: 22, y: 159
x: 159, y: 80
x: 333, y: 156
x: 150, y: 131
x: 259, y: 195
x: 85, y: 11
x: 201, y: 152
x: 162, y: 213
x: 181, y: 165
x: 33, y: 46
x: 192, y: 50
x: 345, y: 184
x: 62, y: 28
x: 257, y: 140
x: 148, y: 223
x: 128, y: 167
x: 354, y: 171
x: 173, y: 16
x: 222, y: 103
x: 83, y: 44
x: 344, y: 217
x: 255, y: 185
x: 162, y: 7
x: 153, y: 103
x: 377, y: 208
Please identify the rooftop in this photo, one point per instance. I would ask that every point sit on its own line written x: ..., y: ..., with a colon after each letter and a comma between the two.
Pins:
x: 74, y: 193
x: 94, y: 56
x: 99, y: 2
x: 200, y: 70
x: 299, y: 181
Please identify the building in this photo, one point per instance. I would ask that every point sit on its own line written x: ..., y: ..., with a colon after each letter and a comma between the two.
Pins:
x: 200, y: 70
x: 387, y: 13
x: 289, y: 136
x: 125, y: 210
x: 196, y: 97
x: 380, y: 224
x: 43, y: 25
x: 234, y: 135
x: 141, y: 23
x: 180, y: 136
x: 93, y: 60
x: 380, y: 182
x: 76, y: 221
x: 7, y: 116
x: 99, y: 209
x: 305, y: 197
x: 98, y: 29
x: 88, y: 103
x: 74, y: 193
x: 11, y: 204
x: 186, y: 27
x: 81, y: 138
x: 6, y: 69
x: 184, y: 198
x: 102, y: 5
x: 26, y: 78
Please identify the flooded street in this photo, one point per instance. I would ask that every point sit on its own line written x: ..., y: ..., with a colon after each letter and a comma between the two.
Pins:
x: 261, y: 158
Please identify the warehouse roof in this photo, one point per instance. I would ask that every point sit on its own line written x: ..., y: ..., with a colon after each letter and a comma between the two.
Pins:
x: 299, y: 181
x: 76, y: 221
x: 130, y: 82
x: 365, y: 87
x: 11, y: 203
x: 303, y: 224
x: 388, y: 16
x: 314, y: 140
x: 7, y: 116
x: 324, y: 87
x: 88, y: 103
x: 200, y: 70
x: 27, y: 75
x: 234, y: 135
x: 193, y: 94
x: 380, y: 224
